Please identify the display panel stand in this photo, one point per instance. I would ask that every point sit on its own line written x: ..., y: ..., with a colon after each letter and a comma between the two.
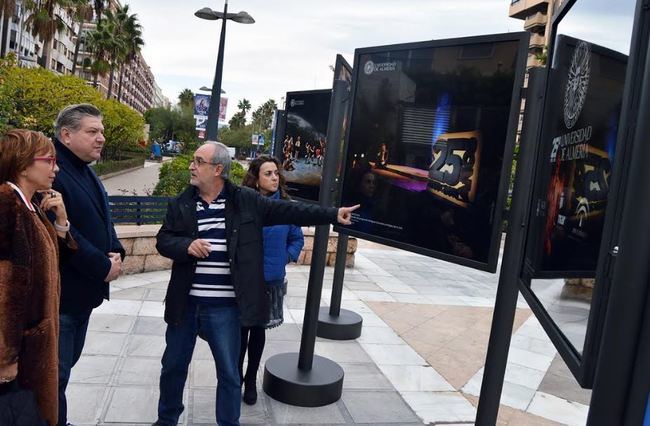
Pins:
x: 305, y: 379
x: 333, y: 322
x: 507, y: 291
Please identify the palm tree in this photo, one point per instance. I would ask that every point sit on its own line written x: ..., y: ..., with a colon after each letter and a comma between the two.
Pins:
x: 83, y: 11
x: 96, y: 42
x: 123, y: 27
x: 244, y: 105
x: 44, y: 22
x: 186, y: 98
x: 133, y: 46
x: 7, y: 9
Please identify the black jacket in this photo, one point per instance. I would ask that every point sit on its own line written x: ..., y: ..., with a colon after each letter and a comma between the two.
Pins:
x: 82, y: 276
x: 246, y: 213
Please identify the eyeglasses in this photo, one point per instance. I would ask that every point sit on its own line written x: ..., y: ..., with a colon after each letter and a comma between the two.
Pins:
x: 50, y: 159
x: 198, y: 162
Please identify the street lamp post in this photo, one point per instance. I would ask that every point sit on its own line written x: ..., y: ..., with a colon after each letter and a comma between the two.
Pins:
x: 215, y: 99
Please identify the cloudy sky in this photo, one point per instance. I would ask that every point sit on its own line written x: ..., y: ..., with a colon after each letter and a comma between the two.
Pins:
x: 293, y: 42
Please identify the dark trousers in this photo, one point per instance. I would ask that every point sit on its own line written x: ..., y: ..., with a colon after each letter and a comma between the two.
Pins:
x: 253, y: 339
x: 72, y: 336
x: 220, y: 327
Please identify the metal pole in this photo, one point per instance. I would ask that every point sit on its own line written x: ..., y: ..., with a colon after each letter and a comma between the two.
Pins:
x: 507, y: 291
x: 339, y: 273
x: 212, y: 126
x: 319, y: 253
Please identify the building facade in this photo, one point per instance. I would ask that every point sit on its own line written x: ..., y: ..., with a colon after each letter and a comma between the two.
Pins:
x: 138, y: 88
x: 537, y: 15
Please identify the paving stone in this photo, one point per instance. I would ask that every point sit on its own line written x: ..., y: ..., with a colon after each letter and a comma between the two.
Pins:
x: 85, y: 402
x: 93, y: 369
x: 364, y: 376
x: 101, y: 343
x: 377, y: 407
x: 135, y: 293
x: 111, y: 322
x: 341, y: 351
x: 156, y: 294
x: 133, y: 405
x: 147, y: 346
x: 289, y: 414
x: 150, y: 325
x: 559, y: 381
x: 139, y: 371
x: 289, y: 332
x: 204, y: 373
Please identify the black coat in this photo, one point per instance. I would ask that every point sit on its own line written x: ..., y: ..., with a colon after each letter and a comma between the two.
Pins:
x: 246, y: 213
x: 82, y: 276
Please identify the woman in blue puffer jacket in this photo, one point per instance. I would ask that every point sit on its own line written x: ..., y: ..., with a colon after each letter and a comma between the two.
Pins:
x: 282, y: 244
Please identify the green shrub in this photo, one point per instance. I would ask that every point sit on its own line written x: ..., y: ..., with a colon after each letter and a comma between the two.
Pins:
x: 175, y: 176
x: 112, y: 166
x: 237, y: 173
x: 32, y: 97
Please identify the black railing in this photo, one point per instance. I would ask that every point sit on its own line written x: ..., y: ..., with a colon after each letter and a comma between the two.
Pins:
x: 137, y: 210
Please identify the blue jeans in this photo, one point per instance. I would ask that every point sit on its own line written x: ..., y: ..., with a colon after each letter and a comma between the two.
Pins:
x: 220, y: 327
x: 72, y: 336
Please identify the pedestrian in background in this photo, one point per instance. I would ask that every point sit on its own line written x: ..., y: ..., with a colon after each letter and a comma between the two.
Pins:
x: 282, y: 244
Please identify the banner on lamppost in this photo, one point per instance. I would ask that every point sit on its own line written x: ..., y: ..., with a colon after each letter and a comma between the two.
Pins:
x: 201, y: 107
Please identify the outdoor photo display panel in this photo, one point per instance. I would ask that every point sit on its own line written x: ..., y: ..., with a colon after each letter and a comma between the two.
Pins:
x: 303, y: 147
x: 429, y: 127
x: 579, y: 137
x: 342, y: 71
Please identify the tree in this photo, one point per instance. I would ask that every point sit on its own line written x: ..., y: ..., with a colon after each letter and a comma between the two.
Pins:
x: 7, y: 9
x: 97, y: 42
x: 125, y: 42
x: 83, y: 12
x: 186, y: 98
x: 31, y: 97
x: 263, y: 116
x: 238, y: 120
x: 133, y: 46
x: 244, y: 105
x: 44, y: 23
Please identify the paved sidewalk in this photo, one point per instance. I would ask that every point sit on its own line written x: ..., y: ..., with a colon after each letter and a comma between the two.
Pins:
x: 418, y: 361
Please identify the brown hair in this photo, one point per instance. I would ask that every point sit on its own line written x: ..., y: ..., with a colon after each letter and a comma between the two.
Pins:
x: 18, y: 148
x: 252, y: 175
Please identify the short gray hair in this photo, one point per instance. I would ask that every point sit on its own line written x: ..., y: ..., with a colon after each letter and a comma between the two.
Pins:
x: 221, y: 156
x: 70, y: 117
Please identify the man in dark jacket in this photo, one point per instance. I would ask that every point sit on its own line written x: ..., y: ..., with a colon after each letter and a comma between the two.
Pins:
x: 85, y: 276
x: 213, y: 233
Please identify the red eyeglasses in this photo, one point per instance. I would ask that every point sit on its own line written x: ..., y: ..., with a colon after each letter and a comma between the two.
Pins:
x: 51, y: 160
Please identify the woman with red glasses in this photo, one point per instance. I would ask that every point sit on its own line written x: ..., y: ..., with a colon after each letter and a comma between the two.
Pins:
x: 29, y: 268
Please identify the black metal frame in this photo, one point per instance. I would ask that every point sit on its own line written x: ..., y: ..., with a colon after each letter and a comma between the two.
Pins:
x: 522, y: 39
x: 582, y: 365
x: 621, y: 382
x: 286, y: 118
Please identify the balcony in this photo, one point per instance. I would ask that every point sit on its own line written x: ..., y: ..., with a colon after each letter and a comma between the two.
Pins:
x: 537, y: 41
x: 536, y: 20
x: 522, y: 8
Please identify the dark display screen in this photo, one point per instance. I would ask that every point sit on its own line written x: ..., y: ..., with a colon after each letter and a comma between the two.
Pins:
x: 303, y: 147
x: 579, y: 138
x: 429, y: 128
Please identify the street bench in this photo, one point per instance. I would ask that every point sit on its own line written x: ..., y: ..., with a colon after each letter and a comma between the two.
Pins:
x: 138, y: 210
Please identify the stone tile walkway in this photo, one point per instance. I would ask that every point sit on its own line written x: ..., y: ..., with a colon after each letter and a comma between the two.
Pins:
x: 419, y: 359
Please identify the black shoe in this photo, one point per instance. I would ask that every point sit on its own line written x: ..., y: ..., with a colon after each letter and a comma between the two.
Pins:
x: 250, y: 394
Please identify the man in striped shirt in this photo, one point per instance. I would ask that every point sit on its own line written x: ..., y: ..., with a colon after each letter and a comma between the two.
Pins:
x: 213, y: 233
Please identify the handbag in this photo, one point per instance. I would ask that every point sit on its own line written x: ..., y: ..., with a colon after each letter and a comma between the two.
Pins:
x: 18, y: 406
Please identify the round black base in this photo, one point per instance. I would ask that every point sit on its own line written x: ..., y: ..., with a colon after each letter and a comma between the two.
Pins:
x: 284, y: 382
x: 347, y: 326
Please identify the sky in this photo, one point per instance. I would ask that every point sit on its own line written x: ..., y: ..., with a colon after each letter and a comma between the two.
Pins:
x: 292, y: 44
